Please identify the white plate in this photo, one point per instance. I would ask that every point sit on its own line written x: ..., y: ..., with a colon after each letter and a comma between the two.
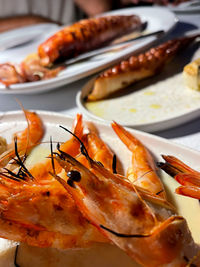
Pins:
x: 102, y: 255
x: 24, y: 35
x: 151, y: 105
x: 186, y: 7
x: 157, y: 18
x: 29, y: 36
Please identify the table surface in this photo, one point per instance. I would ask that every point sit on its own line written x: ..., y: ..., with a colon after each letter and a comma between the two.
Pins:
x: 63, y: 99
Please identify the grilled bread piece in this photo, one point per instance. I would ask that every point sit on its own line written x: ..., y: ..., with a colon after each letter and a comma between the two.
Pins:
x: 191, y: 75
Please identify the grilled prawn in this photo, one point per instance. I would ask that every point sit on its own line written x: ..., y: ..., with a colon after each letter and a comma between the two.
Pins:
x: 136, y: 68
x: 142, y: 224
x: 29, y: 70
x: 143, y: 170
x: 37, y: 210
x: 80, y: 204
x: 183, y: 174
x: 26, y: 139
x: 85, y: 35
x: 10, y: 74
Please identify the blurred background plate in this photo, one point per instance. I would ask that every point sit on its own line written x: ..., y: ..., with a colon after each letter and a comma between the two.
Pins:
x: 157, y: 19
x: 16, y: 44
x: 24, y: 35
x: 192, y: 6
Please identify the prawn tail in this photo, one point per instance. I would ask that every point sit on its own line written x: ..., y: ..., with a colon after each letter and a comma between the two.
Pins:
x: 77, y: 127
x: 32, y: 135
x: 127, y: 138
x: 99, y: 151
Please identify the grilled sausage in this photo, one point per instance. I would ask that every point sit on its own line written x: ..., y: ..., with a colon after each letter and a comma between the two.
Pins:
x: 86, y: 35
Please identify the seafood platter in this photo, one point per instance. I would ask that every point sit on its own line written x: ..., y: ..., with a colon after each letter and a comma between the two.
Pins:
x: 79, y: 193
x: 44, y: 66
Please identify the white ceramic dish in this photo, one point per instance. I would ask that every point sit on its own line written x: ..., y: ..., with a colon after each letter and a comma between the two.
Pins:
x: 29, y: 37
x: 21, y: 36
x: 155, y: 104
x: 186, y: 7
x: 101, y: 255
x: 157, y: 19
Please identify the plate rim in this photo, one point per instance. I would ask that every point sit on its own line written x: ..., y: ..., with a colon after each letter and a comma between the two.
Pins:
x: 158, y: 125
x: 52, y: 114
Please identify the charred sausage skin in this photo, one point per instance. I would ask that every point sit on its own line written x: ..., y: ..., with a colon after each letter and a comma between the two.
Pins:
x: 86, y: 35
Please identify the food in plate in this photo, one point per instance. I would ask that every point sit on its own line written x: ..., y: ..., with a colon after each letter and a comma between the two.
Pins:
x: 86, y: 35
x: 45, y: 215
x: 80, y: 37
x: 75, y: 198
x: 142, y: 162
x: 136, y: 68
x: 3, y: 145
x: 26, y: 140
x: 10, y: 74
x: 29, y: 70
x: 186, y: 176
x: 191, y: 75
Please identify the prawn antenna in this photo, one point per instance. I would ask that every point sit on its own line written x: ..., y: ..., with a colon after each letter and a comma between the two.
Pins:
x: 52, y: 157
x: 20, y: 171
x: 15, y: 258
x: 23, y: 172
x: 124, y: 235
x: 145, y: 174
x: 159, y: 192
x: 82, y: 146
x: 114, y: 164
x: 11, y: 175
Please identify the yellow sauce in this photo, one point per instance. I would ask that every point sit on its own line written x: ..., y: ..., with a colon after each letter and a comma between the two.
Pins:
x: 95, y: 108
x: 189, y: 208
x: 133, y: 110
x: 149, y: 93
x: 155, y: 106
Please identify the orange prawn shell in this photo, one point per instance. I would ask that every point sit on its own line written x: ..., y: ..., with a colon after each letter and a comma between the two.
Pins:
x: 34, y: 132
x: 168, y: 238
x: 143, y: 170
